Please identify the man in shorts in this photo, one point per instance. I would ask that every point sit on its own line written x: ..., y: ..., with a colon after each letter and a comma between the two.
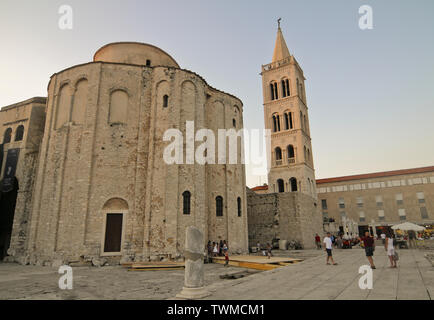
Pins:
x: 369, y: 245
x: 328, y: 248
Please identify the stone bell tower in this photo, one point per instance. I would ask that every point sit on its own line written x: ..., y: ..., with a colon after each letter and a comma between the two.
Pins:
x: 286, y: 115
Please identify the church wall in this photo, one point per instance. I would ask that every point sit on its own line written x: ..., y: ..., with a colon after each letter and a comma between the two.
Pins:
x: 102, y: 153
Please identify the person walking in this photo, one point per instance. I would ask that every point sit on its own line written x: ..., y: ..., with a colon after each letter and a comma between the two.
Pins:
x: 383, y: 237
x: 226, y: 257
x: 412, y: 239
x: 390, y: 249
x: 328, y: 244
x: 269, y: 251
x: 215, y: 251
x: 369, y: 244
x: 225, y: 246
x: 317, y: 241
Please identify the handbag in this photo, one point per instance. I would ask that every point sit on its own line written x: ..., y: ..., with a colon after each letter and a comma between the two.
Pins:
x: 396, y: 256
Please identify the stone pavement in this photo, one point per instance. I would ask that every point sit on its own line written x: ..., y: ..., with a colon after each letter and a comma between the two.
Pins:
x: 313, y: 279
x: 310, y: 279
x: 111, y: 282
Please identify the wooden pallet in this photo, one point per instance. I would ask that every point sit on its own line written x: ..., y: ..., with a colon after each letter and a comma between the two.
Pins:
x: 257, y: 262
x: 137, y: 266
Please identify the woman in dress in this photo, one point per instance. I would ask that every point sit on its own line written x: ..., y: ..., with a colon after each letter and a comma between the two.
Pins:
x: 390, y: 249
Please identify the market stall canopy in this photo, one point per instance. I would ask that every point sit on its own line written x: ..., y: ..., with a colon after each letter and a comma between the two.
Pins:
x: 406, y: 226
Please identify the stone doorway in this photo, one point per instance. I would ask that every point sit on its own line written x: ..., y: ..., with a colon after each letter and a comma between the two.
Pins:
x: 113, y: 232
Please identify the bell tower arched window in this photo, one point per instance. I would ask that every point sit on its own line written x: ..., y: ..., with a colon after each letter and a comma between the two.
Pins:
x: 291, y: 153
x: 280, y: 185
x: 278, y: 153
x: 274, y: 92
x: 293, y: 183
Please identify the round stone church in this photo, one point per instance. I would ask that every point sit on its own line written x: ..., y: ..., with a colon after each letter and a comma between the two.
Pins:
x: 101, y: 186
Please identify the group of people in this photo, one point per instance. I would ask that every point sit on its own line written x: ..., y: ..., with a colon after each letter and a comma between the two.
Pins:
x: 369, y: 246
x: 216, y: 249
x: 341, y: 241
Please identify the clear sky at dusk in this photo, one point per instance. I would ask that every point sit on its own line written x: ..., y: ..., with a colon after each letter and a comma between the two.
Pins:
x: 370, y: 93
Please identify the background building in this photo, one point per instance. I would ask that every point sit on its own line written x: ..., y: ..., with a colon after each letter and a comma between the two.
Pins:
x: 22, y: 127
x: 379, y: 200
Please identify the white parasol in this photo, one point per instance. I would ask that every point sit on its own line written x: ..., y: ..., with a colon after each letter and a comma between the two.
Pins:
x: 406, y: 226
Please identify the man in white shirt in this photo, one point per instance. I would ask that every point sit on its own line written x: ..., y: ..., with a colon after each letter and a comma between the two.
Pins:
x: 383, y: 237
x: 328, y: 248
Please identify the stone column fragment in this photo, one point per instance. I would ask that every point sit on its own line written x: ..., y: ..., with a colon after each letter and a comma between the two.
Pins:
x: 194, y: 273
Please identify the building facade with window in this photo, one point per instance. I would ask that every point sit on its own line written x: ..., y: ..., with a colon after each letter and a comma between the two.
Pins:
x: 379, y: 200
x: 22, y: 128
x: 102, y: 187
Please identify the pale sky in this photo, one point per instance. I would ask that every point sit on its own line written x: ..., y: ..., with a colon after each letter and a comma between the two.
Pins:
x: 370, y: 92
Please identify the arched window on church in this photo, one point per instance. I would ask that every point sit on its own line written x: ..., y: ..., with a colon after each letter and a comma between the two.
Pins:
x: 280, y: 185
x: 308, y: 154
x: 288, y: 92
x: 165, y: 101
x: 291, y: 154
x: 274, y: 123
x: 305, y: 154
x: 234, y: 123
x: 278, y: 122
x: 298, y: 87
x: 219, y: 206
x: 118, y: 107
x: 293, y: 183
x: 239, y: 206
x: 7, y: 135
x: 283, y: 88
x: 19, y: 133
x: 186, y: 196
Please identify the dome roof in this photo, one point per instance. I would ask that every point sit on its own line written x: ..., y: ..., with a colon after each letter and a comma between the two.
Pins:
x: 134, y: 53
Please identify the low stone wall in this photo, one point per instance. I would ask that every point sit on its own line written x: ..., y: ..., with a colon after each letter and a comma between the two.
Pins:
x: 285, y: 216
